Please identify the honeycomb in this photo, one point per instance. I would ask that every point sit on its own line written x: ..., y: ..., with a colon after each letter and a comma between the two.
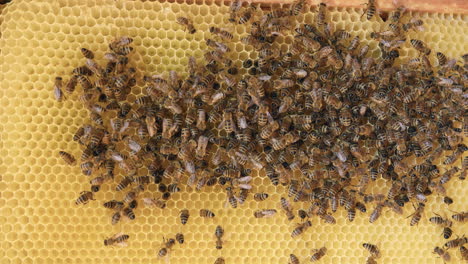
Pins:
x: 40, y: 222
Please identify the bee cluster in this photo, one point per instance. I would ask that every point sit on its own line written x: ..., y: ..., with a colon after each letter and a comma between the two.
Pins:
x: 320, y: 116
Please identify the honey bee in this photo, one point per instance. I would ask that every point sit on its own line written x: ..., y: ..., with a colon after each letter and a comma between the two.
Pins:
x: 180, y: 238
x: 114, y: 205
x: 201, y: 147
x: 447, y: 200
x: 456, y: 242
x: 58, y: 93
x: 439, y: 220
x: 300, y: 228
x: 265, y: 213
x: 128, y: 212
x: 321, y: 15
x: 154, y: 203
x: 187, y: 23
x: 287, y: 208
x: 373, y: 249
x: 246, y: 15
x: 414, y: 24
x: 84, y: 197
x: 118, y: 239
x: 371, y: 260
x: 168, y: 244
x: 67, y: 157
x: 447, y: 232
x: 293, y: 259
x: 219, y: 233
x: 376, y: 213
x: 231, y: 199
x: 122, y: 41
x: 126, y: 181
x: 71, y: 84
x: 260, y: 197
x: 228, y: 123
x: 206, y: 213
x: 220, y: 260
x: 286, y: 103
x: 297, y: 7
x: 234, y: 8
x: 460, y: 217
x: 221, y: 33
x: 329, y: 219
x: 442, y: 253
x: 420, y: 46
x: 184, y: 216
x: 283, y: 83
x: 319, y: 254
x: 416, y: 216
x: 116, y: 217
x: 464, y: 252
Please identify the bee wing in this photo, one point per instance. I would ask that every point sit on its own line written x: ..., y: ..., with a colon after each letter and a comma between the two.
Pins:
x: 245, y: 179
x: 122, y: 244
x: 117, y: 157
x: 150, y: 202
x: 58, y: 93
x: 133, y: 145
x: 117, y: 235
x: 245, y: 186
x: 126, y: 124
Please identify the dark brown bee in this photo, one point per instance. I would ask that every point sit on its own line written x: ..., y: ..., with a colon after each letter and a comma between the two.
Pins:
x: 456, y: 242
x: 117, y: 239
x: 460, y: 217
x: 219, y: 233
x: 82, y: 70
x: 297, y: 7
x: 447, y: 232
x: 126, y: 181
x: 420, y: 46
x: 376, y: 213
x: 221, y: 33
x: 87, y: 53
x: 84, y: 198
x: 300, y: 228
x: 128, y: 212
x: 231, y: 198
x: 116, y: 217
x: 58, y: 93
x: 187, y: 23
x: 168, y: 244
x: 439, y: 220
x: 219, y: 260
x: 373, y: 249
x: 155, y: 203
x: 287, y: 208
x: 464, y: 253
x: 264, y: 213
x: 442, y: 253
x: 180, y: 238
x: 371, y: 9
x: 67, y: 157
x: 246, y: 15
x: 71, y: 84
x: 206, y: 213
x: 293, y: 259
x: 416, y: 216
x: 397, y: 14
x: 321, y: 15
x: 260, y: 197
x: 319, y: 254
x: 371, y: 260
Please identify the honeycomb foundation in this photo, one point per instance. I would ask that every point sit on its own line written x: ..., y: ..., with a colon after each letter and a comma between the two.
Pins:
x: 38, y: 218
